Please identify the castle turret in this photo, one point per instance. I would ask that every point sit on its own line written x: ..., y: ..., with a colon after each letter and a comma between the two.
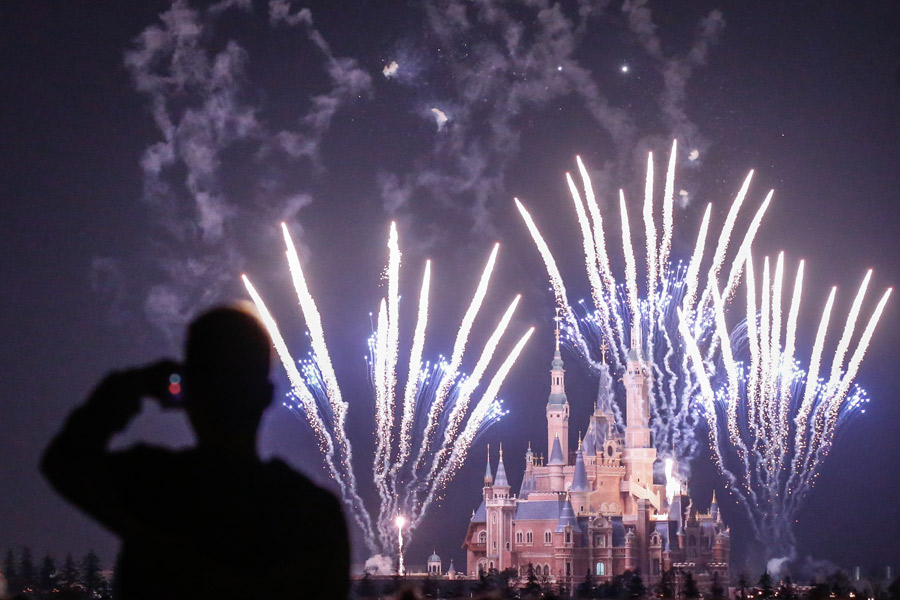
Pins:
x: 556, y: 464
x: 557, y: 403
x: 499, y: 509
x: 639, y: 454
x: 434, y: 564
x: 580, y: 487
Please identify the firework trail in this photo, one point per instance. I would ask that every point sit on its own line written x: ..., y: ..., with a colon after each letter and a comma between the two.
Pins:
x: 440, y: 394
x: 618, y: 307
x: 780, y: 419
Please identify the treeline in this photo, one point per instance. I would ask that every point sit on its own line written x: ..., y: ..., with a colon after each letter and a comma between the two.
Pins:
x: 75, y: 580
x: 680, y: 585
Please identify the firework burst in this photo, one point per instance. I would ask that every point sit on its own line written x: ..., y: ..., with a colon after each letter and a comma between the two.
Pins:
x: 771, y: 421
x: 618, y: 306
x: 438, y: 394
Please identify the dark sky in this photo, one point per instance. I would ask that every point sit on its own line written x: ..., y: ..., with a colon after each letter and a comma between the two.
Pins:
x: 149, y: 152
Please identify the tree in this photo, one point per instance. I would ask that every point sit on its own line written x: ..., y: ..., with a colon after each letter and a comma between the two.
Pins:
x: 666, y: 586
x: 532, y: 584
x: 11, y: 572
x: 765, y: 585
x: 894, y: 590
x: 839, y: 583
x: 27, y: 573
x: 689, y: 589
x: 48, y: 574
x: 585, y: 589
x: 69, y: 576
x: 786, y: 589
x: 742, y: 585
x: 635, y: 585
x: 90, y: 572
x: 716, y: 590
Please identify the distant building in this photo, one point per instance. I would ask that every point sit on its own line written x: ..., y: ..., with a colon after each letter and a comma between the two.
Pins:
x: 597, y: 509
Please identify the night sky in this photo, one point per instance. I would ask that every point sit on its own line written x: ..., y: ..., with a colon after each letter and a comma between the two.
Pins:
x: 149, y: 151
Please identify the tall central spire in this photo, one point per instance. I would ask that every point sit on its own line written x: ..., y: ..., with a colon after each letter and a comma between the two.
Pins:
x: 558, y: 403
x: 637, y: 342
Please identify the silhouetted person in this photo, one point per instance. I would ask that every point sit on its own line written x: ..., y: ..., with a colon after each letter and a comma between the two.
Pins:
x: 212, y: 521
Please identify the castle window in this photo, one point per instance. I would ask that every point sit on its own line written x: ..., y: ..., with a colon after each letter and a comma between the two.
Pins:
x: 482, y: 536
x: 507, y: 545
x: 568, y: 569
x: 529, y: 537
x: 568, y: 536
x: 546, y: 570
x: 519, y: 537
x: 600, y: 541
x: 548, y: 537
x: 494, y: 544
x: 656, y: 566
x: 601, y: 569
x: 493, y: 519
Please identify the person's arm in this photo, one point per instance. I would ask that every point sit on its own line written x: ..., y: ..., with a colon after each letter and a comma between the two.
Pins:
x: 76, y: 462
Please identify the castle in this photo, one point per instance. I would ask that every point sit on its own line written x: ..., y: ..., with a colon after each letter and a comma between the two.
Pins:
x: 597, y: 509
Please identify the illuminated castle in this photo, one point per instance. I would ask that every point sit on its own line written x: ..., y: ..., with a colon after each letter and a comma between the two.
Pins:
x: 597, y: 509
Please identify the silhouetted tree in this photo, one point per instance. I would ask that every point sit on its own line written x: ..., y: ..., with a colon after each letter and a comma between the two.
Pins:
x: 666, y: 586
x: 11, y: 572
x: 818, y: 591
x: 689, y: 589
x: 894, y: 590
x: 716, y: 590
x: 585, y: 589
x: 366, y: 588
x: 48, y: 574
x: 742, y: 585
x: 786, y: 589
x: 532, y: 587
x: 635, y: 585
x: 68, y: 577
x: 765, y: 585
x: 90, y: 572
x: 839, y: 584
x: 28, y: 580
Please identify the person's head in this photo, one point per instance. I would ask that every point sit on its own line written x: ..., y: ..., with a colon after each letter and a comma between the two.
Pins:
x: 226, y: 375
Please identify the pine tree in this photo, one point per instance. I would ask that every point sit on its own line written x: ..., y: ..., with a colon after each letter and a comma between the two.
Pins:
x: 11, y: 572
x: 635, y: 587
x: 666, y: 586
x: 532, y: 584
x: 69, y: 577
x: 27, y: 573
x: 90, y: 572
x: 786, y: 590
x: 48, y: 574
x: 716, y: 590
x: 765, y: 585
x: 689, y: 590
x: 585, y: 589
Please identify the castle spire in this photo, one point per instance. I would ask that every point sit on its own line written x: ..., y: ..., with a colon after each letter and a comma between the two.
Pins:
x: 500, y: 480
x: 488, y: 476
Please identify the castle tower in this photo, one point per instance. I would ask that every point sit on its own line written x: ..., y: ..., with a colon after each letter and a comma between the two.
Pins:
x: 639, y: 454
x: 580, y: 488
x: 558, y: 404
x: 434, y: 564
x: 499, y: 509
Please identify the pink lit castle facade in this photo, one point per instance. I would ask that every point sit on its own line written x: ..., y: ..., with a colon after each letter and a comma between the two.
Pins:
x: 597, y: 509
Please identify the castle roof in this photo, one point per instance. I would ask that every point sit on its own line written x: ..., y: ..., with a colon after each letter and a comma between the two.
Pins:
x: 567, y: 518
x: 434, y: 557
x: 488, y: 476
x: 480, y: 515
x: 452, y: 569
x: 500, y: 480
x: 556, y: 455
x: 536, y: 510
x: 529, y: 484
x: 579, y: 481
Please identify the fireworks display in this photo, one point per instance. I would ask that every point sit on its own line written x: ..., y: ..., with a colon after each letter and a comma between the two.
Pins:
x: 439, y: 393
x: 772, y: 422
x: 621, y: 305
